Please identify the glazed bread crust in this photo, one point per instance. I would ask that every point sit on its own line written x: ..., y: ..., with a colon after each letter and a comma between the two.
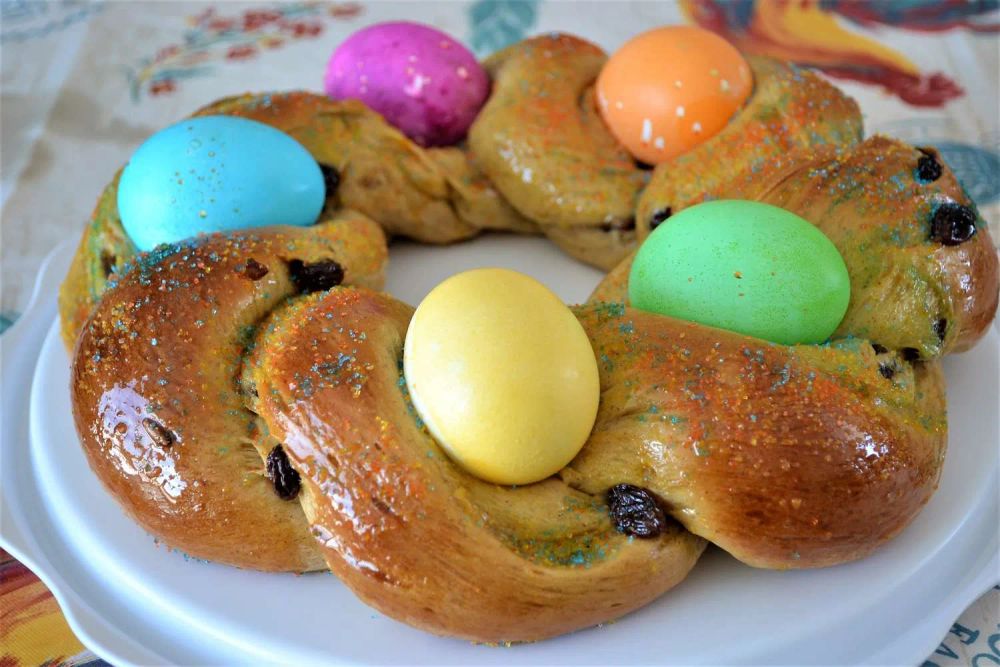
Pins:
x: 911, y: 289
x: 786, y: 457
x: 541, y: 125
x: 542, y: 143
x: 410, y: 532
x: 780, y: 455
x: 157, y: 405
x: 791, y: 109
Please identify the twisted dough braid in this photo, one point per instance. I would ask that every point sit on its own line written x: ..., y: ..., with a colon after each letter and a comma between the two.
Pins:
x: 779, y: 455
x: 409, y: 531
x: 160, y: 413
x: 923, y: 268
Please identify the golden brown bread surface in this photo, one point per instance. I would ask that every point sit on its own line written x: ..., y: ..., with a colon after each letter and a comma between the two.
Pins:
x: 778, y: 454
x: 404, y: 527
x: 104, y: 248
x: 157, y: 406
x: 408, y: 190
x: 542, y: 142
x: 436, y: 196
x: 911, y: 289
x: 790, y: 109
x: 786, y: 457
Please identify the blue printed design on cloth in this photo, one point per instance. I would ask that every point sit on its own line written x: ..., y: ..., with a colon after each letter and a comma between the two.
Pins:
x: 495, y: 24
x: 977, y: 168
x: 976, y: 646
x: 23, y: 20
x: 7, y: 319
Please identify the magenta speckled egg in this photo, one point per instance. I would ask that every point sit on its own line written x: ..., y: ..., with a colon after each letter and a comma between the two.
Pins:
x: 421, y: 80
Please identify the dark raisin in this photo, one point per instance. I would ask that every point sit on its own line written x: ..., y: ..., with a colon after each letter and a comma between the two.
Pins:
x: 953, y: 224
x: 626, y: 225
x: 910, y: 354
x: 160, y: 434
x: 254, y: 270
x: 635, y: 511
x: 928, y: 168
x: 108, y: 262
x: 331, y: 177
x: 879, y: 349
x: 645, y: 166
x: 887, y: 370
x: 382, y: 506
x: 317, y: 276
x: 941, y: 328
x: 279, y: 470
x: 659, y: 217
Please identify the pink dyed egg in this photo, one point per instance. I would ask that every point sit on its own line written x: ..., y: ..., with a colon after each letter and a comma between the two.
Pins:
x: 421, y: 80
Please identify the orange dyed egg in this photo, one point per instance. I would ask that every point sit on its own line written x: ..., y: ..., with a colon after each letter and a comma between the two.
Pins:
x: 669, y: 89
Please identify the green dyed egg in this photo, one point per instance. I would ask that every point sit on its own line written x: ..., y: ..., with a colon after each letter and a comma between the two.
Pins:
x: 744, y: 266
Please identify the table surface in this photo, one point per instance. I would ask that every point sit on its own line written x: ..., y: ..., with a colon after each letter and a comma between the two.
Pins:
x: 83, y: 83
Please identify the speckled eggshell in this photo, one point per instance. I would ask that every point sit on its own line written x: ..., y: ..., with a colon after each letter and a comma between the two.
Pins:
x: 671, y: 88
x: 217, y: 174
x: 421, y: 80
x: 745, y: 266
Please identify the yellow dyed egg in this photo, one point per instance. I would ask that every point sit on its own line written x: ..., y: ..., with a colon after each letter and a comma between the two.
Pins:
x: 502, y: 374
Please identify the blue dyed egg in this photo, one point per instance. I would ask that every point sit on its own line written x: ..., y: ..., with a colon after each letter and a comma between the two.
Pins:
x: 217, y: 174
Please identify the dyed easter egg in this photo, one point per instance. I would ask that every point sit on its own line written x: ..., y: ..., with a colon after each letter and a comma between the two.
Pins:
x: 669, y: 89
x: 745, y: 266
x: 421, y: 80
x: 217, y: 174
x: 502, y: 374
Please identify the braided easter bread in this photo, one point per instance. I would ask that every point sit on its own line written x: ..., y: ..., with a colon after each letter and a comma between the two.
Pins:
x: 242, y: 396
x: 785, y: 456
x: 779, y: 454
x: 538, y: 159
x: 923, y: 268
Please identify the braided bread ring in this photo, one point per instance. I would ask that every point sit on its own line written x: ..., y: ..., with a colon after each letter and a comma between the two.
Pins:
x: 786, y: 457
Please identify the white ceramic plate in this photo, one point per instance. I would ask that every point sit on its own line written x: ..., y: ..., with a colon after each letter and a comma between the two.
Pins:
x: 135, y: 602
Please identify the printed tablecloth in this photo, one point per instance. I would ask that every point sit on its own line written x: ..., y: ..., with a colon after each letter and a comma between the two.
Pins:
x: 83, y: 83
